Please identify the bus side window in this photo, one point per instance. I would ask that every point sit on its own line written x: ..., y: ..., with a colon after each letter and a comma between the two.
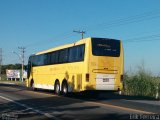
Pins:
x: 63, y: 56
x: 46, y: 59
x: 40, y: 60
x: 76, y: 53
x: 80, y: 53
x: 54, y: 57
x: 34, y: 61
x: 29, y: 69
x: 72, y: 54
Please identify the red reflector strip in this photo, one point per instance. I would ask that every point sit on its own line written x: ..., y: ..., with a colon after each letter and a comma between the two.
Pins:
x: 121, y: 78
x: 87, y: 77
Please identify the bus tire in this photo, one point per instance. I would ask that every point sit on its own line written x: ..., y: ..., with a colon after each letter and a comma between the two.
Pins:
x: 64, y: 88
x: 32, y: 86
x: 120, y: 92
x: 57, y: 88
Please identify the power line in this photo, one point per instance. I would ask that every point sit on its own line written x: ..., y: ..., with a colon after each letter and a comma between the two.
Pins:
x: 155, y: 37
x: 119, y: 22
x: 55, y: 39
x: 132, y: 19
x: 145, y: 37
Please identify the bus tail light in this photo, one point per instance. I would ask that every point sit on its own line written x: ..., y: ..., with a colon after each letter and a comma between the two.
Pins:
x: 87, y: 77
x: 121, y: 78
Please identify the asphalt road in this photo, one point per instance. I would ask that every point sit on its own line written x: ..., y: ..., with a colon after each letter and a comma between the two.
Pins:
x: 17, y: 102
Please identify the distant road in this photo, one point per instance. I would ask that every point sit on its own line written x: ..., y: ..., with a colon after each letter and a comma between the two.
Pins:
x: 20, y: 103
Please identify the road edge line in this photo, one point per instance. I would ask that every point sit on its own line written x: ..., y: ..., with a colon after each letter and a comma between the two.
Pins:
x: 35, y: 110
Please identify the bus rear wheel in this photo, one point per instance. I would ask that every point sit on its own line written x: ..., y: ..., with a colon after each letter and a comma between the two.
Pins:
x: 57, y: 88
x: 64, y: 88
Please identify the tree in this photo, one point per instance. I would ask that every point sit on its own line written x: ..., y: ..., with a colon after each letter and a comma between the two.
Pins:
x: 12, y: 67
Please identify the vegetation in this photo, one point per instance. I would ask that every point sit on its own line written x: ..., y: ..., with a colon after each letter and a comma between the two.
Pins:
x: 18, y: 82
x: 141, y: 83
x: 3, y: 77
x: 11, y: 66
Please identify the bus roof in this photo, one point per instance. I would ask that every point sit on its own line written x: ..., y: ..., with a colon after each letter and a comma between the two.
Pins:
x: 68, y: 45
x: 63, y: 46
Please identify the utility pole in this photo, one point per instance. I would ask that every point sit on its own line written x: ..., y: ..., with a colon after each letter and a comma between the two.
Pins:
x: 1, y: 63
x: 22, y: 50
x: 81, y: 32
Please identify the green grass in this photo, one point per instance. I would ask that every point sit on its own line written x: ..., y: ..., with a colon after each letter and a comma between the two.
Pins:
x: 141, y: 83
x: 3, y: 77
x: 4, y: 80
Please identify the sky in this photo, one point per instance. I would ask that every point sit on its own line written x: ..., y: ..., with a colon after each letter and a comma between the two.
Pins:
x: 38, y: 25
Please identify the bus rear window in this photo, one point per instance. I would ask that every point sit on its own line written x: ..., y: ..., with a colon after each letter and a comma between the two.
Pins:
x: 105, y: 47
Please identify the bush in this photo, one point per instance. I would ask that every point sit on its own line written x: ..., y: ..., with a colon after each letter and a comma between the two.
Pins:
x: 3, y: 77
x: 141, y: 84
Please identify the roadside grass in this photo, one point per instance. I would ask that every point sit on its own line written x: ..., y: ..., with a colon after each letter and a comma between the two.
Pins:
x: 141, y: 83
x: 17, y: 82
x: 3, y: 77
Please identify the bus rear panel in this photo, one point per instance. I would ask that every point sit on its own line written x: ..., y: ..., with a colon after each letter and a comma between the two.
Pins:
x: 105, y: 65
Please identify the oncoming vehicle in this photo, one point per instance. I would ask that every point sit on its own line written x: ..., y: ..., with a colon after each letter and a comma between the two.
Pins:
x: 90, y: 64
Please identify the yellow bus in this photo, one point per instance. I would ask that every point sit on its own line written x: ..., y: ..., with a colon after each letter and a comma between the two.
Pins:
x: 90, y: 64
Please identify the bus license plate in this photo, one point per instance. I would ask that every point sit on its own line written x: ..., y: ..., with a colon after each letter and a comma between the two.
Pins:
x: 105, y: 79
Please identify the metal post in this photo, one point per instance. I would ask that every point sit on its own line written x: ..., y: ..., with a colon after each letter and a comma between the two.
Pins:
x: 81, y: 32
x: 21, y: 56
x: 22, y: 59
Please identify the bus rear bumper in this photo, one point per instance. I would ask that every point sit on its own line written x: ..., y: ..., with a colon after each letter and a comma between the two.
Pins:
x: 102, y: 87
x: 109, y: 87
x: 105, y: 87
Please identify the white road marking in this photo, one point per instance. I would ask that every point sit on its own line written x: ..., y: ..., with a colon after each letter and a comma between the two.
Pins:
x: 9, y: 83
x: 35, y: 110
